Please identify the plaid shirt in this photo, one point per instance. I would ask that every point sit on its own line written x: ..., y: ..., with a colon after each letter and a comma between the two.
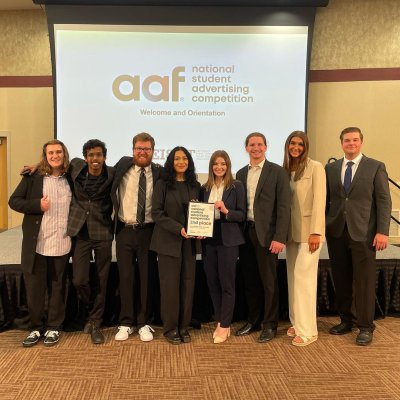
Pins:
x: 95, y: 210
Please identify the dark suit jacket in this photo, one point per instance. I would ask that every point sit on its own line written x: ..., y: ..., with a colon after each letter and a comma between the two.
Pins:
x: 96, y: 211
x: 235, y: 201
x: 366, y: 208
x: 271, y: 203
x: 169, y: 216
x: 26, y: 199
x: 121, y: 169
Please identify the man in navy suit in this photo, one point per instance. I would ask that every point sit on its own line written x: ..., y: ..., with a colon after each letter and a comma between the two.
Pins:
x: 268, y: 214
x: 358, y: 211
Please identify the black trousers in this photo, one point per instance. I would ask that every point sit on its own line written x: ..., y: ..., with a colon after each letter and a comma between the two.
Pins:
x: 259, y: 271
x: 354, y: 276
x: 177, y: 278
x: 220, y: 268
x: 92, y: 292
x: 132, y: 250
x: 49, y: 275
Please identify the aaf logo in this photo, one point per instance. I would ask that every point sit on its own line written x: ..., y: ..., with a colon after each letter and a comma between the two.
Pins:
x: 131, y: 87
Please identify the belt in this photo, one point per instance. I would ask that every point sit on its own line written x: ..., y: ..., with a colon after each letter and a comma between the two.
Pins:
x: 139, y: 226
x: 250, y: 224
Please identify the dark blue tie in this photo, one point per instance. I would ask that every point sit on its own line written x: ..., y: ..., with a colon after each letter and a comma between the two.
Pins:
x: 347, y: 176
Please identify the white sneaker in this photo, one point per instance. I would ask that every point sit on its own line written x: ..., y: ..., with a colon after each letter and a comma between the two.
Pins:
x: 123, y: 332
x: 145, y: 333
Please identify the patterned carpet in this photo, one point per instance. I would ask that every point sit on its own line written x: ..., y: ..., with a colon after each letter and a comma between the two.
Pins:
x: 332, y: 368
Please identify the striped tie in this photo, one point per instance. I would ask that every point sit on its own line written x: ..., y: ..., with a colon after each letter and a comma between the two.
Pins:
x: 141, y: 203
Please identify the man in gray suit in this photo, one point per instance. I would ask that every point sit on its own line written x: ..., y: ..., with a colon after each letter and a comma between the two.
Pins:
x: 268, y: 214
x: 358, y: 211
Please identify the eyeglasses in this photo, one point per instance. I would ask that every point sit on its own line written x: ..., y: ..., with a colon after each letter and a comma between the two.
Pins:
x: 145, y: 149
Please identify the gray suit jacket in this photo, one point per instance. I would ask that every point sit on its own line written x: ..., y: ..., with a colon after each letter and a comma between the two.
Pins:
x: 366, y: 208
x: 271, y: 203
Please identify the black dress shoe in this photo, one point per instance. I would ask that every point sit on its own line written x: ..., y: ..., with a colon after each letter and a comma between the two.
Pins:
x: 173, y: 337
x: 247, y: 329
x: 96, y: 335
x: 341, y: 329
x: 185, y: 336
x: 364, y: 338
x: 87, y: 328
x: 266, y: 335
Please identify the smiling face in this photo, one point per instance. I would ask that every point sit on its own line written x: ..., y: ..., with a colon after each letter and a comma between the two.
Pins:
x: 181, y: 163
x: 55, y: 157
x: 256, y: 149
x: 219, y: 168
x: 95, y: 160
x: 351, y: 145
x: 143, y: 153
x: 296, y: 147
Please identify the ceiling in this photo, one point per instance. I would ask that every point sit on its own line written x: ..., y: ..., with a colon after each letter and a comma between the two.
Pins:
x: 18, y: 5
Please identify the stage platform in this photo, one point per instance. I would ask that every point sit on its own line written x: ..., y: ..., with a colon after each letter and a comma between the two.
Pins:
x: 13, y: 310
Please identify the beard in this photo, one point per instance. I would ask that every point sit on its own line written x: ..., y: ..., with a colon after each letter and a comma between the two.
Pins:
x: 143, y: 161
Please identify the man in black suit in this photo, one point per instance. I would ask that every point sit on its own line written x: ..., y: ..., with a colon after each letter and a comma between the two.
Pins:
x: 358, y: 211
x: 268, y: 213
x: 90, y: 223
x: 135, y: 176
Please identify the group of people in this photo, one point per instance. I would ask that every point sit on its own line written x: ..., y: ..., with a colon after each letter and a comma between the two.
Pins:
x: 265, y: 209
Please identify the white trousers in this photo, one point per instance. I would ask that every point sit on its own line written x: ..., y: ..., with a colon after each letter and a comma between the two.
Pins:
x: 302, y: 271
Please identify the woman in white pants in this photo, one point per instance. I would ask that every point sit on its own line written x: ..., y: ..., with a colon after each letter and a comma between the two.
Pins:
x: 306, y: 235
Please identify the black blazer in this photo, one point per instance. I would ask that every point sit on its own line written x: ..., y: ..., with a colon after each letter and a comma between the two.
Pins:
x: 234, y: 199
x: 366, y: 208
x: 169, y: 216
x: 96, y: 211
x: 271, y: 203
x: 121, y: 168
x: 26, y: 199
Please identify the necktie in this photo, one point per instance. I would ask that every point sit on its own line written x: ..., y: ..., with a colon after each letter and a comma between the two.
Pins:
x: 347, y: 176
x: 141, y: 203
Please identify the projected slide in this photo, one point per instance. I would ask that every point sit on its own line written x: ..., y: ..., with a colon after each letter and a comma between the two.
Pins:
x: 204, y: 88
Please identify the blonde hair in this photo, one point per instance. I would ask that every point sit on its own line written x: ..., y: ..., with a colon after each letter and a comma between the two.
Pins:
x: 44, y: 166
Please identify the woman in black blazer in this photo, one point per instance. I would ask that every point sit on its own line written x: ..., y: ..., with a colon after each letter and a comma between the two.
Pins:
x: 44, y: 198
x: 222, y: 250
x: 176, y: 250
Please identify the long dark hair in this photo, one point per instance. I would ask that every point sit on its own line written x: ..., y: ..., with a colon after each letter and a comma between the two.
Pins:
x: 228, y: 178
x: 169, y: 174
x: 303, y: 161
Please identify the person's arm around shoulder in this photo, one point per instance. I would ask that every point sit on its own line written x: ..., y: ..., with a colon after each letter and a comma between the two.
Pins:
x: 383, y: 204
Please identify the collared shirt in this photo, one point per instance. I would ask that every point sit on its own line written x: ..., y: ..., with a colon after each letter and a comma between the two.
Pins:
x: 128, y: 194
x: 253, y: 177
x: 52, y: 238
x: 216, y: 195
x: 354, y: 167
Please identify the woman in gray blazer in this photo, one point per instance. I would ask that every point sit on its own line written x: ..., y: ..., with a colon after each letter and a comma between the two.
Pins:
x: 221, y: 251
x: 176, y: 250
x: 306, y: 234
